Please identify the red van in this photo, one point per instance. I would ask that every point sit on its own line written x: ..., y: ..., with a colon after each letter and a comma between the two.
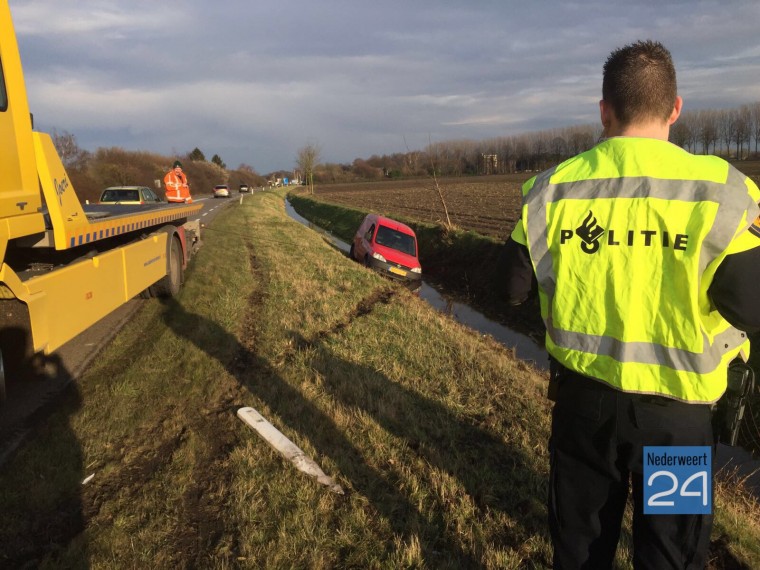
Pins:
x: 387, y: 246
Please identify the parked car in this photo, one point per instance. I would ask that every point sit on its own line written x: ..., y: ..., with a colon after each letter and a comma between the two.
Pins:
x: 387, y: 246
x: 221, y: 191
x: 128, y: 195
x: 244, y: 188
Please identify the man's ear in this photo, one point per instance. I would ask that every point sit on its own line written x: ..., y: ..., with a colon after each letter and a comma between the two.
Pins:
x: 677, y: 106
x: 605, y: 113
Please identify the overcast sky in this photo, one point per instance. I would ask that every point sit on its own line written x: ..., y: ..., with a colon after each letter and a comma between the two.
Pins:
x: 255, y: 80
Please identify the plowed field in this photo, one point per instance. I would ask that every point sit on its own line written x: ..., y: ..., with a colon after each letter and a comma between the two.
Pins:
x: 489, y: 205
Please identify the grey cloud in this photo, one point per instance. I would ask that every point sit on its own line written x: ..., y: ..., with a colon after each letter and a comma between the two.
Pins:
x: 254, y: 81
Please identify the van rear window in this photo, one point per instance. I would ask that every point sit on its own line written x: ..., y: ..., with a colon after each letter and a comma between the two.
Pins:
x: 394, y: 239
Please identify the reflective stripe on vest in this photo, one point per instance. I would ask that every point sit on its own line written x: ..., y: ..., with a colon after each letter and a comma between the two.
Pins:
x: 647, y: 255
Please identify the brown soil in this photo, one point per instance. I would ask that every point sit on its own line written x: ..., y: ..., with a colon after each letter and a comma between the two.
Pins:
x: 489, y: 205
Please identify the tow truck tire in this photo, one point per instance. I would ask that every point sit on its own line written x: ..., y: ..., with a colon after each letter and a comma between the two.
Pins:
x: 16, y: 349
x: 2, y: 380
x: 170, y: 285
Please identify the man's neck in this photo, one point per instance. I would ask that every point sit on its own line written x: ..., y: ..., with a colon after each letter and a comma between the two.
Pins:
x: 649, y: 130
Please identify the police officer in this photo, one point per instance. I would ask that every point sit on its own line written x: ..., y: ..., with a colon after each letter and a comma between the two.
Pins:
x: 645, y: 259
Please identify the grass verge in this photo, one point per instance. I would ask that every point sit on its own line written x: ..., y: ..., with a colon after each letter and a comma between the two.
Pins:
x: 438, y: 435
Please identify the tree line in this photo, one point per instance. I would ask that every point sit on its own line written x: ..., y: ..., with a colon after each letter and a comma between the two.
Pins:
x: 91, y: 172
x: 731, y: 133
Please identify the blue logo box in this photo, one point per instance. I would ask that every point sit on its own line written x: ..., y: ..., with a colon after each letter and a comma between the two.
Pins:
x: 677, y: 480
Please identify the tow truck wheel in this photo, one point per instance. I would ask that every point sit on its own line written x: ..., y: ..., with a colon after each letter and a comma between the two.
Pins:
x: 147, y: 293
x: 170, y: 285
x: 2, y: 380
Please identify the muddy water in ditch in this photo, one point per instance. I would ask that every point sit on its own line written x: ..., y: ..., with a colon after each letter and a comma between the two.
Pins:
x: 526, y: 349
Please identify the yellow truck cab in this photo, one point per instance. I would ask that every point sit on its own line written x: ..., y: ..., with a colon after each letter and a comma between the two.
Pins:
x: 64, y: 266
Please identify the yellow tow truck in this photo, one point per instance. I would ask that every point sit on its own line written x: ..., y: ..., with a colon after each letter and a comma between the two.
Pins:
x: 64, y: 265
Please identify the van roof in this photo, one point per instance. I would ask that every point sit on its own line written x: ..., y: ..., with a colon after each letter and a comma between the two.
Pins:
x: 393, y: 224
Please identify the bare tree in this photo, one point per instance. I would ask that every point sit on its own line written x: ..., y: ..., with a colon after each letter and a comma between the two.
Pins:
x: 580, y: 139
x: 433, y: 155
x: 690, y: 125
x: 755, y: 112
x: 558, y: 146
x: 726, y: 129
x: 679, y: 133
x: 708, y: 130
x: 743, y: 131
x: 448, y: 225
x: 307, y: 160
x: 72, y: 156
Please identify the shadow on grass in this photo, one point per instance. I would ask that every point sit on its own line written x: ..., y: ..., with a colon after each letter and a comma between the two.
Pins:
x: 41, y: 493
x: 492, y: 472
x: 496, y: 475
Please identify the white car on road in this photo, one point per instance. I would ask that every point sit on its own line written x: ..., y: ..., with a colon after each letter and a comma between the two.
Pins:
x: 221, y: 191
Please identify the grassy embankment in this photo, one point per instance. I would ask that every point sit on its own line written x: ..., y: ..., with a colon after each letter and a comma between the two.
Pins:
x: 437, y: 434
x: 469, y: 266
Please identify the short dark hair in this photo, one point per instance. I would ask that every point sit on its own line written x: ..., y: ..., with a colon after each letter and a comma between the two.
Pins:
x: 639, y: 82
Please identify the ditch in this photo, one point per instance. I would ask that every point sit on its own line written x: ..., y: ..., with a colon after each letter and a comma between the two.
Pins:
x: 524, y: 347
x: 737, y: 459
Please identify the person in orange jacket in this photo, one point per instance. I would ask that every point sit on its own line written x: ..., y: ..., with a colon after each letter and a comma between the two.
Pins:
x: 177, y: 189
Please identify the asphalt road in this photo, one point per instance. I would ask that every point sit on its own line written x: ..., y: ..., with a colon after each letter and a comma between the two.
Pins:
x: 29, y: 401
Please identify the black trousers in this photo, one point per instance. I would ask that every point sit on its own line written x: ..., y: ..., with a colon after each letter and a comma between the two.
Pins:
x: 597, y: 441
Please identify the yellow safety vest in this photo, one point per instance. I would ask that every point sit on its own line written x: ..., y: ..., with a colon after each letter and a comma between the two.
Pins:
x: 625, y: 240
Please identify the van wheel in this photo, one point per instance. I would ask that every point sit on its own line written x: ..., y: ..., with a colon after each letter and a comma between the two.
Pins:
x: 171, y: 283
x: 351, y: 251
x: 367, y: 262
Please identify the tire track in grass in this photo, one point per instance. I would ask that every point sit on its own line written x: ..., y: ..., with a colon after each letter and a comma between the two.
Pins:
x: 364, y: 307
x: 204, y: 530
x: 353, y: 472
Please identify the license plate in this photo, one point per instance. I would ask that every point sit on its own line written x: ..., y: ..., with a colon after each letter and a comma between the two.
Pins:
x: 397, y: 271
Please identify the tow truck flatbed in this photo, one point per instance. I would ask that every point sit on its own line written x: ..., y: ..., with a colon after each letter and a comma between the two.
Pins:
x: 109, y: 220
